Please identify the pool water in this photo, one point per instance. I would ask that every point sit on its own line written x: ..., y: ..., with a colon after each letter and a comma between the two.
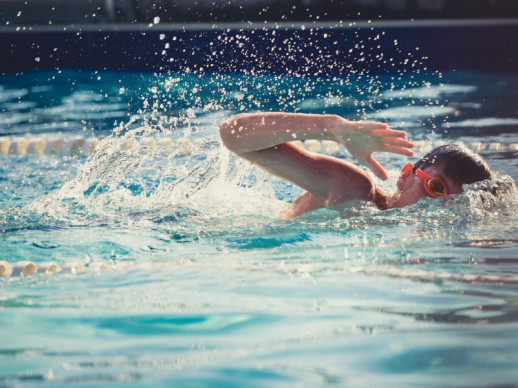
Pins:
x: 189, y: 277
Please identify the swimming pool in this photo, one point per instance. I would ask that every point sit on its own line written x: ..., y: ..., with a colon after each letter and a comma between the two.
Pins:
x: 184, y: 276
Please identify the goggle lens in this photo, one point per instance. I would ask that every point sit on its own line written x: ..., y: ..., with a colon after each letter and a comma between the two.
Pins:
x: 436, y: 187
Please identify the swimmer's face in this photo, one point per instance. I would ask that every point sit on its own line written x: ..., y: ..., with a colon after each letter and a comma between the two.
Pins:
x: 411, y: 188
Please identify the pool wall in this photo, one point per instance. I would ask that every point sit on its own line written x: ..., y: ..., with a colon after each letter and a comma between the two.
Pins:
x: 326, y: 48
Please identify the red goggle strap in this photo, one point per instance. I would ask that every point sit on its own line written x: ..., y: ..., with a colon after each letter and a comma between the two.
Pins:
x: 405, y: 171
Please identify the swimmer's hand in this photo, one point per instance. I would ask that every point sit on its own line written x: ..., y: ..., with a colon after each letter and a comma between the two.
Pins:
x: 363, y: 138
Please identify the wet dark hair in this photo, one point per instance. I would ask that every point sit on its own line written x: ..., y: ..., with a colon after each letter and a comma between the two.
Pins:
x: 458, y: 163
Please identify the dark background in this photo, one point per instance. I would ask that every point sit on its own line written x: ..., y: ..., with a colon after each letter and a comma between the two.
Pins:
x: 135, y: 35
x: 44, y: 12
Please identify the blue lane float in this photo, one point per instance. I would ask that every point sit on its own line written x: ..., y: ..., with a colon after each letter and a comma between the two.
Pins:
x: 309, y: 48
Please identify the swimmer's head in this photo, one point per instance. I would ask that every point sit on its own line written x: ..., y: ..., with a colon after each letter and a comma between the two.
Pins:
x: 458, y: 163
x: 442, y: 171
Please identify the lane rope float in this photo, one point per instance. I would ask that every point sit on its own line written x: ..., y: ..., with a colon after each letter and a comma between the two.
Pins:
x: 78, y: 146
x: 23, y: 269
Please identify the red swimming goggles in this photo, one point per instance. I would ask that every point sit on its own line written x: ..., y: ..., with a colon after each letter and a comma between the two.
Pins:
x: 435, y: 187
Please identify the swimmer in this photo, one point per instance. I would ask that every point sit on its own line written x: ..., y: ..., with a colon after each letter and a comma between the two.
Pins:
x: 265, y: 139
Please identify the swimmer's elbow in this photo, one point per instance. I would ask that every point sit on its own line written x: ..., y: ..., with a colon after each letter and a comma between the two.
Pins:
x: 227, y: 131
x: 224, y: 131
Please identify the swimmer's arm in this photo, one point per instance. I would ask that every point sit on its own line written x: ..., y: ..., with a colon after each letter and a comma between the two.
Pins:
x: 330, y: 180
x: 252, y: 132
x: 255, y: 131
x: 264, y: 139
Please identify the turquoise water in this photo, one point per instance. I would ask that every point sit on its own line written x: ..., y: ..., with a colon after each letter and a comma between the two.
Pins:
x: 191, y: 280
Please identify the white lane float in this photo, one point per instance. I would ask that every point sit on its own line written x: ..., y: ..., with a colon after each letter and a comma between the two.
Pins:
x: 313, y: 145
x: 24, y: 268
x: 495, y: 147
x: 73, y: 268
x: 19, y: 146
x: 186, y: 146
x: 5, y: 144
x: 5, y: 269
x: 37, y: 147
x: 79, y: 146
x: 28, y: 268
x: 48, y: 268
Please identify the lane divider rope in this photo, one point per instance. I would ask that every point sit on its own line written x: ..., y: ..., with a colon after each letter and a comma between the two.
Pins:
x: 28, y: 269
x: 331, y: 147
x: 79, y: 146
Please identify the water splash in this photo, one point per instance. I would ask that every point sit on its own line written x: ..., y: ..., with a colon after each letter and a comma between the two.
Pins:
x: 121, y: 182
x: 211, y: 193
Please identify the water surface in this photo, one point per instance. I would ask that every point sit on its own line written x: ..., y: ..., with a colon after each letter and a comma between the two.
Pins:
x: 190, y: 277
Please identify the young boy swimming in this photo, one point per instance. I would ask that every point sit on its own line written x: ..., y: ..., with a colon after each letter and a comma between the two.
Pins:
x: 265, y: 139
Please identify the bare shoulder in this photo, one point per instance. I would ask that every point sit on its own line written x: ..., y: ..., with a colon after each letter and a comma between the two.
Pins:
x: 347, y: 182
x: 308, y: 202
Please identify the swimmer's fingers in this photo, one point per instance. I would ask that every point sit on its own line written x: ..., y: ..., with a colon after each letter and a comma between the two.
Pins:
x: 397, y: 150
x: 369, y: 126
x: 376, y: 168
x: 387, y: 132
x: 397, y: 141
